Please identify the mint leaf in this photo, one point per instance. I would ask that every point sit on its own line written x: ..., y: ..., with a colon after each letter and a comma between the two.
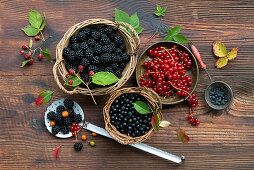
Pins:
x: 158, y: 7
x: 25, y: 62
x: 168, y: 38
x: 44, y: 97
x: 160, y: 11
x: 46, y: 53
x: 121, y: 16
x: 134, y: 21
x: 31, y: 43
x: 44, y: 23
x: 30, y: 30
x: 180, y: 39
x: 104, y: 78
x: 139, y: 29
x: 35, y: 19
x: 169, y: 31
x: 176, y: 30
x: 76, y: 81
x: 157, y: 13
x: 141, y: 107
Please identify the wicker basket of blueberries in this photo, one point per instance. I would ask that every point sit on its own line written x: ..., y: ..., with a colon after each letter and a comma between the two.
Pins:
x: 123, y: 122
x: 98, y: 45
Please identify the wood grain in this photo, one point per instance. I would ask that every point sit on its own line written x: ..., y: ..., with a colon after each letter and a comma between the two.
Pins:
x: 222, y: 141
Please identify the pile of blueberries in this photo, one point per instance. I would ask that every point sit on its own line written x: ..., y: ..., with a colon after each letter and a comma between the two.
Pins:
x: 126, y: 119
x: 218, y: 95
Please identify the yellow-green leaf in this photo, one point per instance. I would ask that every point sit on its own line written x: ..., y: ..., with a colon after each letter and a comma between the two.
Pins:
x: 182, y: 136
x: 164, y: 123
x: 219, y: 49
x: 232, y: 54
x: 44, y: 23
x: 222, y: 62
x: 31, y: 43
x: 30, y: 30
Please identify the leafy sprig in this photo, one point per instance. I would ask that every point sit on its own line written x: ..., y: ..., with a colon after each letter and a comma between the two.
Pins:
x: 44, y: 97
x: 160, y: 10
x: 173, y: 35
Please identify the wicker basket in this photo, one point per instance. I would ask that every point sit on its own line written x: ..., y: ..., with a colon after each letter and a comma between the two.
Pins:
x: 132, y: 47
x: 123, y: 138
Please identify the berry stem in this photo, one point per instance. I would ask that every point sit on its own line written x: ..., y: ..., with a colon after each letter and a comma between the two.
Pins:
x: 42, y: 36
x: 178, y: 88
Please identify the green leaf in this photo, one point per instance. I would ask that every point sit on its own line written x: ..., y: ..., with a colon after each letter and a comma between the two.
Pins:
x: 134, y: 21
x: 30, y: 30
x: 168, y: 38
x: 31, y: 43
x: 180, y: 39
x: 104, y: 78
x: 121, y: 16
x: 35, y: 19
x: 222, y: 62
x: 76, y: 81
x: 25, y: 62
x: 44, y: 23
x: 164, y: 9
x: 219, y: 49
x: 182, y: 136
x: 46, y: 53
x: 169, y: 31
x: 46, y: 96
x: 157, y: 13
x: 141, y: 107
x: 165, y: 123
x: 176, y: 30
x: 233, y: 53
x: 155, y: 120
x: 160, y: 11
x: 158, y: 7
x: 139, y: 29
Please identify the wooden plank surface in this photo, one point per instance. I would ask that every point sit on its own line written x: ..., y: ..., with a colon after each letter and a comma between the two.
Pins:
x: 222, y: 141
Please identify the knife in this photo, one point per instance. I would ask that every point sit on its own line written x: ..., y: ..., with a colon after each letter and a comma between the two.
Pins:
x: 141, y: 146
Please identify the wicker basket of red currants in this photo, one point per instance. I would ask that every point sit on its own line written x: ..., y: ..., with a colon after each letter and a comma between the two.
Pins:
x: 169, y: 69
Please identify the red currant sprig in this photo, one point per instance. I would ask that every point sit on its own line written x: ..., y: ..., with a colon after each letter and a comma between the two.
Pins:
x: 193, y: 102
x: 74, y: 128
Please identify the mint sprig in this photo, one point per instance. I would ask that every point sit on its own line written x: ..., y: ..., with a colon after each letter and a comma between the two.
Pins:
x: 173, y: 35
x: 133, y: 20
x: 160, y: 11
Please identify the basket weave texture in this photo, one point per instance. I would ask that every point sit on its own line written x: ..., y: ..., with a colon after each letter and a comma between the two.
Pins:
x: 132, y: 46
x: 123, y: 138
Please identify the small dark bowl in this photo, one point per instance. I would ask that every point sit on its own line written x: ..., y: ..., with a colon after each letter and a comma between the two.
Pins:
x: 193, y: 72
x: 229, y: 94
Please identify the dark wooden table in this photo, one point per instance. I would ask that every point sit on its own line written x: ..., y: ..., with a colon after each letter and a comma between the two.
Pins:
x: 223, y: 140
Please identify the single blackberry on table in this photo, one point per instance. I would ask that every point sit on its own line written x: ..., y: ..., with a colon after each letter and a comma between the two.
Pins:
x: 96, y: 35
x: 91, y: 42
x: 89, y: 53
x: 96, y: 60
x: 109, y: 69
x: 114, y: 66
x: 73, y: 39
x: 81, y: 36
x: 60, y: 109
x: 65, y: 129
x: 85, y: 62
x: 126, y: 57
x: 93, y: 68
x: 104, y: 39
x: 79, y: 54
x: 75, y: 46
x: 118, y: 73
x: 68, y: 103
x: 105, y: 58
x: 51, y: 115
x: 83, y: 46
x: 67, y: 121
x: 77, y: 118
x: 55, y: 129
x: 97, y: 49
x: 78, y: 146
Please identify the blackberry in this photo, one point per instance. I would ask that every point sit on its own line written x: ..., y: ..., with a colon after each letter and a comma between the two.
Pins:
x: 75, y: 46
x: 71, y: 113
x: 112, y: 36
x: 119, y: 59
x: 118, y: 51
x: 112, y: 46
x: 79, y: 54
x: 78, y: 146
x: 95, y: 34
x: 96, y: 60
x: 118, y: 40
x: 91, y: 42
x: 75, y: 69
x: 66, y: 51
x: 65, y: 129
x: 109, y: 69
x: 73, y: 39
x: 126, y: 57
x: 60, y: 109
x: 68, y: 103
x: 71, y: 56
x: 85, y: 62
x: 122, y: 65
x: 67, y: 121
x: 108, y: 30
x: 51, y: 115
x: 89, y: 53
x: 118, y: 73
x: 58, y: 118
x: 105, y: 39
x: 68, y: 66
x: 77, y: 118
x: 122, y: 47
x: 55, y: 129
x: 81, y: 36
x: 105, y: 58
x: 114, y: 66
x: 107, y: 49
x: 86, y: 30
x: 97, y: 49
x: 93, y: 68
x: 83, y: 46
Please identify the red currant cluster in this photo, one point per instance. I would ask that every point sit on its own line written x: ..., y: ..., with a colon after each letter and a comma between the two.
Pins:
x: 74, y: 128
x: 193, y: 102
x: 193, y: 120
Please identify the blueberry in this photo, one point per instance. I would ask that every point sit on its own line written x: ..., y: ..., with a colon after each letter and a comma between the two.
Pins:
x: 130, y: 113
x: 124, y: 124
x: 141, y: 129
x: 129, y: 128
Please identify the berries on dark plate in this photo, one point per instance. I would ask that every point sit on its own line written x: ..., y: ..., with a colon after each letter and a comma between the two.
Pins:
x: 60, y: 109
x: 55, y: 129
x: 51, y: 115
x: 68, y: 103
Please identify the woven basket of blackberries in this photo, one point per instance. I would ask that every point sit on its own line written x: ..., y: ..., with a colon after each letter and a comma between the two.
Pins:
x: 96, y: 45
x: 122, y: 120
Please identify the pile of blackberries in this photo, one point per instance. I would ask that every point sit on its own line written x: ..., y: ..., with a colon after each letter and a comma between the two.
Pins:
x: 97, y: 49
x: 62, y: 119
x: 218, y: 96
x: 126, y: 119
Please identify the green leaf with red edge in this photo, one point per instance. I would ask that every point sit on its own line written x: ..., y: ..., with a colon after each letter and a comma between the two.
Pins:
x: 182, y: 136
x: 25, y: 62
x: 219, y: 49
x: 44, y: 97
x: 76, y: 81
x: 222, y: 62
x: 155, y: 120
x: 233, y: 53
x: 56, y: 152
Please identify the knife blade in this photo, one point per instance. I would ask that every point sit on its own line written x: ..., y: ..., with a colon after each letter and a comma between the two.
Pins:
x: 141, y: 146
